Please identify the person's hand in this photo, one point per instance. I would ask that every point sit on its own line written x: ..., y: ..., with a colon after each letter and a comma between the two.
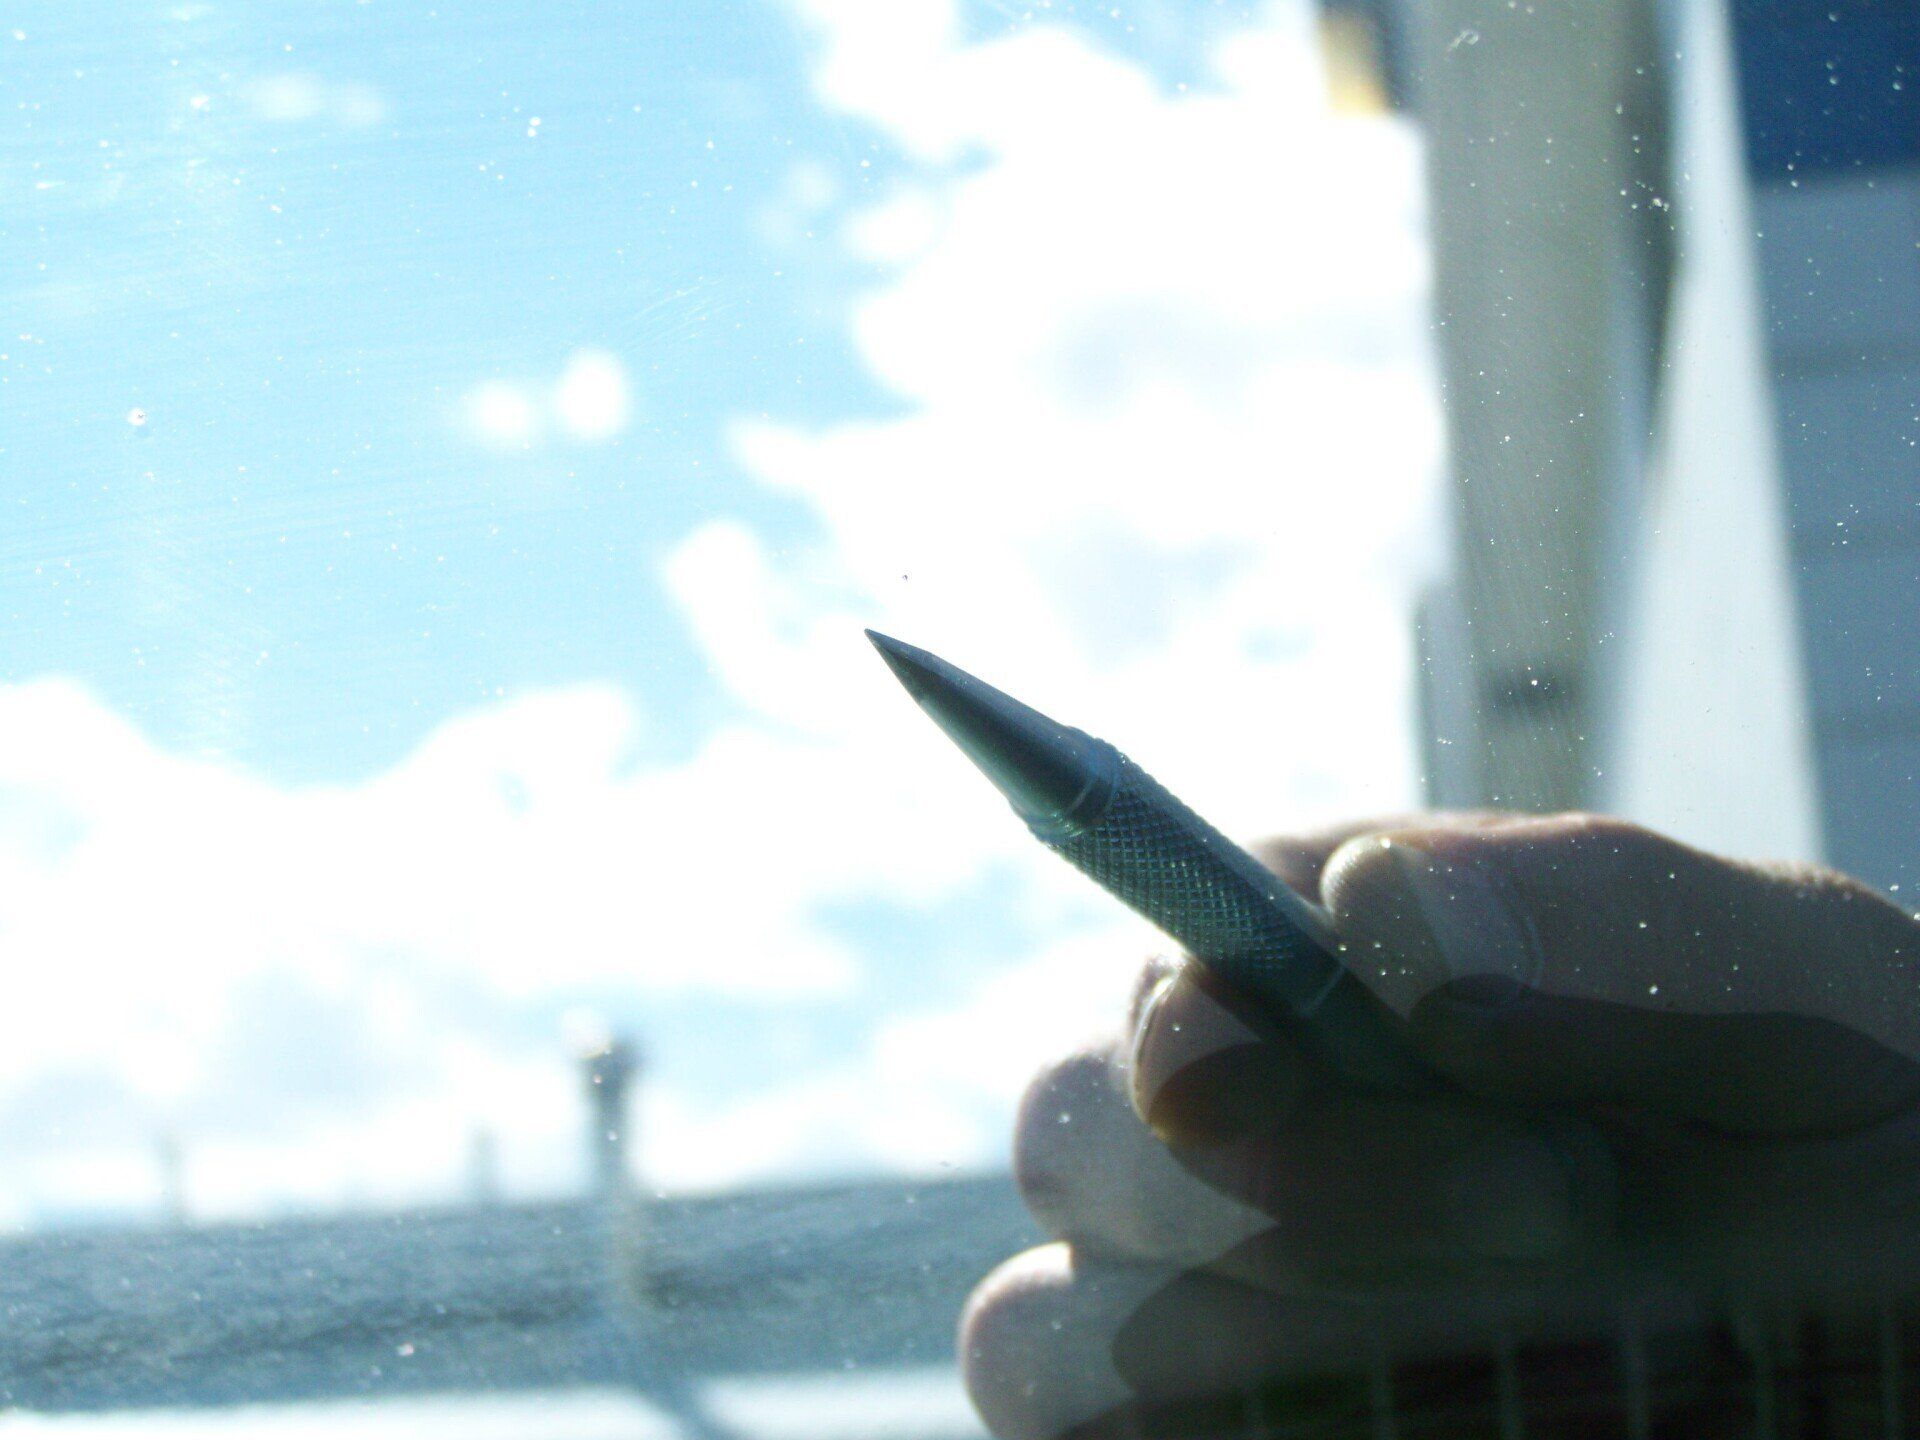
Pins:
x: 1678, y: 1090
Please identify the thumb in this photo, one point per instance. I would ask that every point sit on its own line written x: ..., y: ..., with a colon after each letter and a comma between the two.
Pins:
x: 1571, y: 959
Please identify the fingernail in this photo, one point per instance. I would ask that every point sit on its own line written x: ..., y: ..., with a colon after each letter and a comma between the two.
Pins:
x: 1148, y: 1041
x: 1421, y: 919
x: 1181, y: 1027
x: 1154, y: 975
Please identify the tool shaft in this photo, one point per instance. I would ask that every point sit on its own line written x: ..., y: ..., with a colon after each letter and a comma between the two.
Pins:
x: 1125, y: 831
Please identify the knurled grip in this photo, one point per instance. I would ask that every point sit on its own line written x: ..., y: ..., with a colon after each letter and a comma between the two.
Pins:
x: 1231, y: 913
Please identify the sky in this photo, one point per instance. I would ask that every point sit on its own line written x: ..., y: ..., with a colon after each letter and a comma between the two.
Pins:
x: 449, y: 458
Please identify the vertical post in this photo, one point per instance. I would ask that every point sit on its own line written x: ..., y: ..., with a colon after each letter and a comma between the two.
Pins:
x: 609, y: 1066
x: 483, y: 1160
x: 1544, y: 127
x: 609, y: 1072
x: 172, y: 1158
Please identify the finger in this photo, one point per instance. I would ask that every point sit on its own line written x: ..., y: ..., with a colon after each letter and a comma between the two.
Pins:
x: 1056, y: 1342
x: 1359, y: 1185
x: 1092, y: 1173
x: 1300, y: 859
x: 1492, y: 1359
x: 1203, y: 1065
x: 1809, y: 1222
x: 1037, y: 1342
x: 1603, y: 913
x: 1170, y: 1333
x: 1758, y: 1074
x: 1363, y: 1190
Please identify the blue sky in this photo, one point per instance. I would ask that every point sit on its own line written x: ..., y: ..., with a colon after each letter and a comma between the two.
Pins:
x: 294, y: 565
x: 292, y: 291
x: 448, y: 457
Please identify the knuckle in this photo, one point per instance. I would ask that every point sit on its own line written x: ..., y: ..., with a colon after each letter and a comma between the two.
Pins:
x: 1052, y: 1120
x: 1591, y: 828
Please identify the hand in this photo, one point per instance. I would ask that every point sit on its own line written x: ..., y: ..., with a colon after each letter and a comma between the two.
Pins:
x: 1683, y: 1093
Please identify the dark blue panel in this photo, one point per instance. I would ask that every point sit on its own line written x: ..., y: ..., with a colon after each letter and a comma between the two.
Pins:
x: 1813, y: 12
x: 1828, y: 86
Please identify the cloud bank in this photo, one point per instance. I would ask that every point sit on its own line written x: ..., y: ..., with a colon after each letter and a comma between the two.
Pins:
x: 1162, y: 466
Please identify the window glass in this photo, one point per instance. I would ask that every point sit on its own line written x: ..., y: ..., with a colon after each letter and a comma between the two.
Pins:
x: 493, y: 946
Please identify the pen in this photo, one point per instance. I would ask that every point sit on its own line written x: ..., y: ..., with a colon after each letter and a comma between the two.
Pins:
x: 1114, y: 823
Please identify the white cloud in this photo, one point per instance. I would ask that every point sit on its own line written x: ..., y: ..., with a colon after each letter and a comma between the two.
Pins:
x: 1168, y: 462
x: 1164, y: 470
x: 516, y: 845
x: 298, y: 96
x: 589, y: 402
x: 898, y: 229
x: 324, y: 990
x: 1166, y: 473
x: 287, y: 98
x: 590, y: 398
x: 932, y: 1091
x: 503, y: 414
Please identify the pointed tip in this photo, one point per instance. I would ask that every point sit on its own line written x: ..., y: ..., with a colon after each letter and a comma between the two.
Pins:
x: 1044, y: 768
x: 911, y: 665
x: 891, y: 650
x: 888, y: 646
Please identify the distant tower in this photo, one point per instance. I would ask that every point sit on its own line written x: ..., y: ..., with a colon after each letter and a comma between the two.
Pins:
x: 609, y: 1066
x: 483, y: 1158
x: 172, y: 1157
x: 609, y: 1071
